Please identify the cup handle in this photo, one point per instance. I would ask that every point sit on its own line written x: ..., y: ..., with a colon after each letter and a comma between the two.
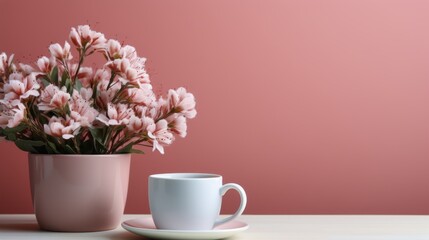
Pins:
x: 243, y: 202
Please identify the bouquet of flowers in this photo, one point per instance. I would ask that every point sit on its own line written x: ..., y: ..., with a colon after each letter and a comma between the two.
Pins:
x: 61, y: 106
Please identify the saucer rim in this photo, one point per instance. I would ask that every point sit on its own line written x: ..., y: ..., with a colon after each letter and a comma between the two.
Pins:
x: 239, y: 229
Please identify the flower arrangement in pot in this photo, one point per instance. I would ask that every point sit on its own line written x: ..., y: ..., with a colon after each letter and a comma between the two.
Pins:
x: 80, y: 124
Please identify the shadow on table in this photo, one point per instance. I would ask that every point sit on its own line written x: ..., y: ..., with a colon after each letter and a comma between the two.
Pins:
x: 125, y: 236
x: 130, y: 236
x: 19, y: 225
x: 31, y: 226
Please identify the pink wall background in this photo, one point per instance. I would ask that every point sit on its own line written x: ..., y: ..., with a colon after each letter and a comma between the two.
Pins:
x: 313, y: 106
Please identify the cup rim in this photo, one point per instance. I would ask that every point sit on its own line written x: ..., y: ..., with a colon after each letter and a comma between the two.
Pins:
x: 185, y: 176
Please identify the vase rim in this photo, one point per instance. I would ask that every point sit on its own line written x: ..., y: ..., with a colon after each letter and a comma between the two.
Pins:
x: 77, y: 155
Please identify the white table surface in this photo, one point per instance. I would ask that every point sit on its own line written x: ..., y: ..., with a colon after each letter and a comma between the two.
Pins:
x: 270, y: 227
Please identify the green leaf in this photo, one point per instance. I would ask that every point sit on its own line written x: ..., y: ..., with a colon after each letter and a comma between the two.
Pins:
x: 98, y: 137
x: 78, y: 85
x: 11, y: 136
x: 94, y: 92
x: 68, y: 149
x: 129, y: 149
x: 10, y: 133
x: 97, y: 133
x: 125, y: 149
x: 54, y: 75
x: 137, y: 151
x: 28, y: 145
x: 34, y: 113
x: 16, y: 129
x: 68, y: 85
x: 64, y: 78
x: 41, y: 149
x: 52, y: 148
x: 45, y: 82
x: 87, y: 147
x: 67, y: 108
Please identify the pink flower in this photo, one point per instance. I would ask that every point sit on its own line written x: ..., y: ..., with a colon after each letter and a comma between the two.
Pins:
x: 130, y: 71
x: 119, y: 65
x: 4, y: 119
x: 75, y: 38
x: 182, y: 102
x: 46, y: 96
x: 18, y: 117
x: 105, y: 95
x: 101, y: 75
x: 83, y: 36
x: 139, y: 65
x: 60, y: 99
x: 161, y: 136
x: 16, y: 76
x: 20, y: 87
x: 60, y: 127
x: 141, y: 96
x: 85, y: 93
x: 128, y: 52
x: 162, y: 108
x: 12, y: 117
x: 26, y: 69
x: 143, y: 111
x: 60, y: 53
x: 127, y: 64
x: 46, y: 64
x: 129, y: 76
x: 84, y: 76
x: 117, y: 114
x: 137, y: 124
x: 53, y: 98
x: 112, y: 49
x: 178, y: 126
x: 80, y: 108
x: 2, y: 102
x: 5, y: 63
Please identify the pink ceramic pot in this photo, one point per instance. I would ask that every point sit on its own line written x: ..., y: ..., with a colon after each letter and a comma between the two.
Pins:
x: 79, y: 193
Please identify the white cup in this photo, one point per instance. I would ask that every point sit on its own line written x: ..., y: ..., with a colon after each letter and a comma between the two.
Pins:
x: 190, y: 201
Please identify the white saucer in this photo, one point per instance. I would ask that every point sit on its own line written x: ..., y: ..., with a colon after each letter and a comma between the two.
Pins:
x: 145, y: 227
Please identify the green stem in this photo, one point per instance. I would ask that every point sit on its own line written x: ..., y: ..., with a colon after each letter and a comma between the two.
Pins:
x: 81, y: 57
x: 171, y: 112
x: 112, y: 76
x: 144, y: 145
x: 76, y: 145
x: 66, y: 68
x: 114, y: 137
x: 118, y: 93
x: 35, y: 130
x: 142, y: 139
x: 122, y: 142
